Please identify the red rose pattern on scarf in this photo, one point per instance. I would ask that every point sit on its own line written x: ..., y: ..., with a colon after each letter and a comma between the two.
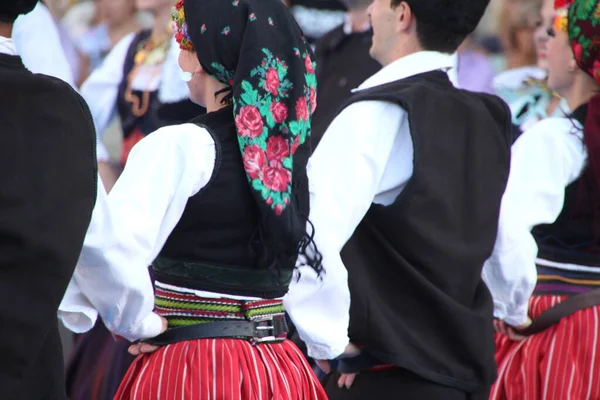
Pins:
x: 268, y: 159
x: 268, y: 134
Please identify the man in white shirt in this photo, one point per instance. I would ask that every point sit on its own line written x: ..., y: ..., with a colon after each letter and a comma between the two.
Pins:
x: 407, y: 180
x: 38, y: 42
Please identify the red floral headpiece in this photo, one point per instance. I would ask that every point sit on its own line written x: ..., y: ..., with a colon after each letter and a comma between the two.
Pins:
x: 180, y: 28
x: 561, y: 18
x: 583, y: 28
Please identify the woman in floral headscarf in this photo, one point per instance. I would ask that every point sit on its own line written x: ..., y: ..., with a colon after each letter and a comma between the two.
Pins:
x: 219, y: 207
x: 548, y: 242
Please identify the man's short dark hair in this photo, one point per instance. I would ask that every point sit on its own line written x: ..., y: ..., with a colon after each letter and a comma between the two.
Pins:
x: 442, y: 25
x: 11, y: 9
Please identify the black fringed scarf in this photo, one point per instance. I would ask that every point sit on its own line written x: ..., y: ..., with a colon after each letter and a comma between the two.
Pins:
x: 257, y: 50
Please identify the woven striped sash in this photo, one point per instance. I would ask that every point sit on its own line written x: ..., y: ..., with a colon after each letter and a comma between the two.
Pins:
x: 184, y: 309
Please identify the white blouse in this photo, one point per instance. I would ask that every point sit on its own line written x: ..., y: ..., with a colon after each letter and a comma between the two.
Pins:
x: 100, y: 89
x: 131, y: 225
x: 545, y: 160
x: 319, y: 307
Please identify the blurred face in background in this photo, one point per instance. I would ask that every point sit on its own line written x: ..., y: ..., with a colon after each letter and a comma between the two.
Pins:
x: 518, y: 19
x: 562, y: 67
x: 152, y: 5
x: 116, y: 11
x: 541, y: 32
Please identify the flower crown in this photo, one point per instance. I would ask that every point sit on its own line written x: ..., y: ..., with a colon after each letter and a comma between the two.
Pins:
x: 561, y: 18
x: 180, y: 28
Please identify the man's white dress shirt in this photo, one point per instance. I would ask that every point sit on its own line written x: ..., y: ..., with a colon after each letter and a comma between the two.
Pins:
x: 364, y: 157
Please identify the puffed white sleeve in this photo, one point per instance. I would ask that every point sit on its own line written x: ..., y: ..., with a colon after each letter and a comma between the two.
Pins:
x: 545, y: 159
x: 37, y: 39
x: 100, y: 89
x: 129, y: 228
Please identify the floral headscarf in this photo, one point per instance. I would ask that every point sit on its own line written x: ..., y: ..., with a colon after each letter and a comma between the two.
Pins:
x: 581, y: 20
x: 257, y: 50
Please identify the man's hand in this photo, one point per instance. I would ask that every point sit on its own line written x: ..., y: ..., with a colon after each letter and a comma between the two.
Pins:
x: 511, y: 332
x: 346, y: 380
x: 350, y: 351
x: 144, y: 348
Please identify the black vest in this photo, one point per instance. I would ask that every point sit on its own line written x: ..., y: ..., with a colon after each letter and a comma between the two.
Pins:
x: 418, y: 300
x: 215, y: 245
x: 158, y: 114
x: 571, y: 239
x: 48, y: 176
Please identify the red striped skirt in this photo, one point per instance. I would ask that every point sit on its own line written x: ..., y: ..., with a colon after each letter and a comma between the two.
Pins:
x: 228, y: 369
x: 561, y: 363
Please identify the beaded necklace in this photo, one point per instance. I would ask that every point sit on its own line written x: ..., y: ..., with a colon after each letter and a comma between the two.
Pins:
x: 150, y: 56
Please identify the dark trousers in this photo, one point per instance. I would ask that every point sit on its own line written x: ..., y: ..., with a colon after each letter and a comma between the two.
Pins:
x: 395, y: 384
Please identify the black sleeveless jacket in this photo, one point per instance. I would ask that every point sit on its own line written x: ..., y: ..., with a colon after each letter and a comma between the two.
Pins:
x: 572, y: 239
x: 215, y: 246
x: 417, y: 297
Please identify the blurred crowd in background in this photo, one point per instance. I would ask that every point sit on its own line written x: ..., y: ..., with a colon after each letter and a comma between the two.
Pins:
x: 501, y: 57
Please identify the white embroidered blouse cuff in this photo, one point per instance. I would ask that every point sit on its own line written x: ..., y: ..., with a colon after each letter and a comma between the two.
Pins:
x: 515, y: 317
x: 76, y: 312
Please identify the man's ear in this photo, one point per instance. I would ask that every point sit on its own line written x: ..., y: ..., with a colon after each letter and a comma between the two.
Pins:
x: 404, y: 17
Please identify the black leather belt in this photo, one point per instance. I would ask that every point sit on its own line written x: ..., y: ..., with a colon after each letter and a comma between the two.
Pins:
x: 570, y: 306
x: 254, y: 331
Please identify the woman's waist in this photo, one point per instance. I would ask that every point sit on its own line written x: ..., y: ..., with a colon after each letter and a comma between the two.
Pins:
x: 233, y: 281
x: 183, y: 306
x: 553, y: 280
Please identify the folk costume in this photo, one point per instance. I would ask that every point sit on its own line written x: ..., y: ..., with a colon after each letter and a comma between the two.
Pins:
x: 140, y: 81
x: 526, y: 92
x: 421, y: 197
x: 546, y: 258
x: 222, y: 218
x: 48, y: 189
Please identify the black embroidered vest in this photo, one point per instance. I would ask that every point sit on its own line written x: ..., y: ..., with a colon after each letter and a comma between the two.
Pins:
x: 571, y: 238
x: 215, y: 246
x: 418, y: 300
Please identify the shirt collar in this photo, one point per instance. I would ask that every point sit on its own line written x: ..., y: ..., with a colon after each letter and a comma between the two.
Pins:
x: 7, y: 46
x: 413, y: 64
